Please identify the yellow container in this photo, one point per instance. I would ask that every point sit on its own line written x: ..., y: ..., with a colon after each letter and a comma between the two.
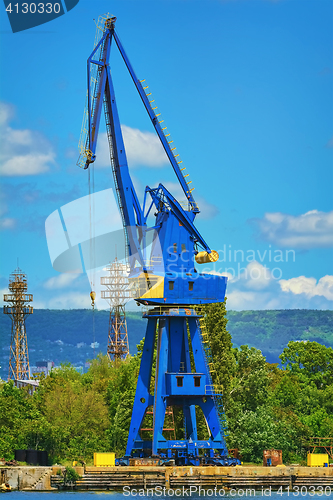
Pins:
x: 317, y: 459
x: 104, y: 459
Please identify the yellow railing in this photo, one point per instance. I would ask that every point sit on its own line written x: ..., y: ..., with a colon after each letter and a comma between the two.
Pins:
x: 165, y: 310
x: 169, y: 140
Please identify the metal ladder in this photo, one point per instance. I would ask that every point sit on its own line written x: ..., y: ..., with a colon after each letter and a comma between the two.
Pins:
x: 113, y: 165
x: 169, y: 422
x: 214, y: 390
x: 167, y: 135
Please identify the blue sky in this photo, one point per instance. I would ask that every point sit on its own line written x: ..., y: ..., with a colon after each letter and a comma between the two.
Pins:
x: 245, y: 88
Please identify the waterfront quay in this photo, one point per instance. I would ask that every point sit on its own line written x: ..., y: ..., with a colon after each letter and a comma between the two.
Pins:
x: 157, y: 478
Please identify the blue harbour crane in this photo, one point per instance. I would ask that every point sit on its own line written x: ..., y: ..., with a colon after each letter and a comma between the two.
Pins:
x: 162, y: 259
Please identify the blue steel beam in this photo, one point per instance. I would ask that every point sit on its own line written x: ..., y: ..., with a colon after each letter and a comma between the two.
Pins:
x: 158, y: 128
x: 95, y: 103
x: 142, y: 397
x: 173, y: 352
x: 182, y: 216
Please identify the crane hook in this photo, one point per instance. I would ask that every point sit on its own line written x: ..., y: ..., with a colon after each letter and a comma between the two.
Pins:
x: 93, y: 297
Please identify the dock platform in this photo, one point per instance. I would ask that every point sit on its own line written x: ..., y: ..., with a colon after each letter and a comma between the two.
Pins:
x: 157, y: 479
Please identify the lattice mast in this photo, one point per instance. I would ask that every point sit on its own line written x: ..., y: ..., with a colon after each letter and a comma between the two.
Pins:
x: 118, y: 294
x: 18, y: 308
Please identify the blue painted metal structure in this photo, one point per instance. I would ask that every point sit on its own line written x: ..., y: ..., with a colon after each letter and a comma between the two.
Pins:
x: 163, y: 275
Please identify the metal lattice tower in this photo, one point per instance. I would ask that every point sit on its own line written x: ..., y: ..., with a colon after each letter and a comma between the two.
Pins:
x: 18, y: 309
x: 118, y: 294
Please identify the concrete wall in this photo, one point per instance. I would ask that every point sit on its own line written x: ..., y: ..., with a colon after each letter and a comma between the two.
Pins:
x: 237, y: 471
x: 27, y: 478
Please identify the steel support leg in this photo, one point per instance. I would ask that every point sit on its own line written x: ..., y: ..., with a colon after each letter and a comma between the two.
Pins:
x: 142, y: 397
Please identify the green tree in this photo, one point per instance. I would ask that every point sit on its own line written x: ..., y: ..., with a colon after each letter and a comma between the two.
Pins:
x: 287, y: 391
x: 253, y: 432
x: 249, y: 385
x: 121, y: 422
x: 22, y: 425
x: 310, y: 361
x: 120, y: 397
x: 76, y: 412
x: 319, y: 422
x: 220, y: 344
x: 100, y: 372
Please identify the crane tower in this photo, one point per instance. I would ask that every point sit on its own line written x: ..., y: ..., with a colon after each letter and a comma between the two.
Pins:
x: 18, y: 308
x: 163, y: 247
x: 117, y: 294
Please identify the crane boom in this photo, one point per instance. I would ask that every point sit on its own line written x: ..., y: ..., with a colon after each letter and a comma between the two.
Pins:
x: 173, y: 241
x: 154, y: 119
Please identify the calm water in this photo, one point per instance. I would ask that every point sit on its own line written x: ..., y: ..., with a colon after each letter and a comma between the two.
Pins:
x: 111, y: 495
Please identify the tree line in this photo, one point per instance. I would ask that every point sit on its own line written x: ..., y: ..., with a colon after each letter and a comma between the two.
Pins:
x: 71, y: 415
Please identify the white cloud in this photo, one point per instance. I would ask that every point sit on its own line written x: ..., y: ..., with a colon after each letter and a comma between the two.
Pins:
x: 244, y: 300
x: 23, y: 151
x: 256, y: 276
x: 70, y: 300
x: 254, y: 288
x: 240, y: 300
x: 207, y: 210
x: 314, y: 229
x: 40, y: 304
x: 309, y: 286
x: 258, y: 287
x: 6, y: 113
x: 143, y: 149
x: 60, y: 281
x: 217, y: 273
x: 3, y: 291
x: 7, y: 223
x: 28, y: 164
